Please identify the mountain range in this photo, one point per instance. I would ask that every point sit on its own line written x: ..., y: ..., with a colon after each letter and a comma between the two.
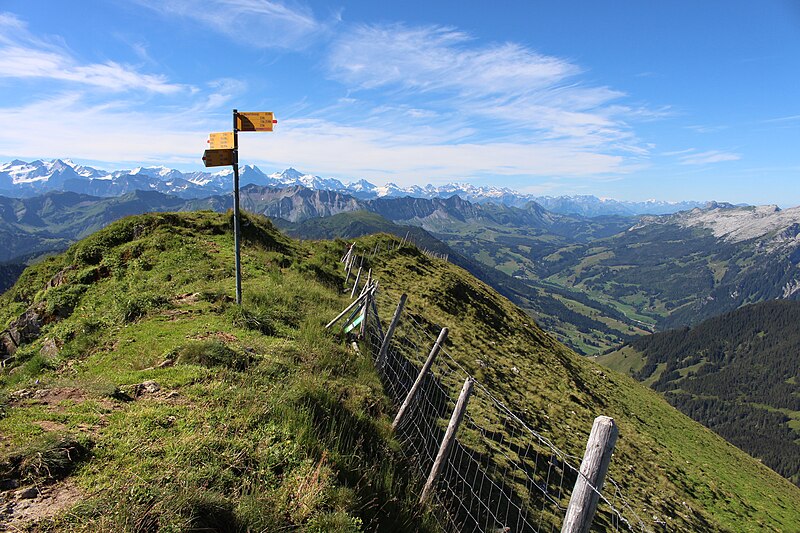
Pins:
x: 24, y: 179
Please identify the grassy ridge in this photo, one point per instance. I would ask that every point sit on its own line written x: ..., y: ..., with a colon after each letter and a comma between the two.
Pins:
x: 261, y: 420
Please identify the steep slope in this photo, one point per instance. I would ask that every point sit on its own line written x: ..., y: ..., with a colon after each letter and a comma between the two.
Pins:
x: 738, y: 374
x: 9, y: 272
x: 673, y: 470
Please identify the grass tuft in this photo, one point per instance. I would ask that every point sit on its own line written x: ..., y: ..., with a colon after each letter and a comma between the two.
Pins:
x: 48, y: 458
x: 212, y: 353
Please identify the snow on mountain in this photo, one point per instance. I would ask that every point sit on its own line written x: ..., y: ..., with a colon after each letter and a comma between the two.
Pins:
x: 21, y: 179
x: 291, y: 177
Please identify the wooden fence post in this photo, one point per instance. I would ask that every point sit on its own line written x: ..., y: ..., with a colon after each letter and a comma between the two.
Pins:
x: 418, y: 382
x: 363, y: 331
x: 585, y: 495
x: 349, y: 266
x: 349, y: 307
x: 355, y: 285
x: 447, y: 441
x: 389, y: 332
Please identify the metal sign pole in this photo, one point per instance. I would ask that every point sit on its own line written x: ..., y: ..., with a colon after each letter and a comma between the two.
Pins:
x: 236, y: 228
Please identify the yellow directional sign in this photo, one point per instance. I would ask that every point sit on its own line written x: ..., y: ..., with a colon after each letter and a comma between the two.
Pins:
x: 255, y: 121
x: 218, y: 158
x: 221, y: 140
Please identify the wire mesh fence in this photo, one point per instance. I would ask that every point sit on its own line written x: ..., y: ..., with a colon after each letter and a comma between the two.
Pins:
x: 500, y: 475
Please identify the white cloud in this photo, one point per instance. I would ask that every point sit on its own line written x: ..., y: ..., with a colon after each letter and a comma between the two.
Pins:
x: 499, y: 91
x: 68, y: 126
x: 318, y: 146
x: 23, y: 55
x: 705, y: 158
x: 255, y: 23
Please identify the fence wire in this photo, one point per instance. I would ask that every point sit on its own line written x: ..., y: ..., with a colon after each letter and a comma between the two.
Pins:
x: 501, y: 476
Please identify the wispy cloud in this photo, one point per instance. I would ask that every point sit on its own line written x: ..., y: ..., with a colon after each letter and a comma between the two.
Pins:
x: 67, y: 125
x: 700, y: 128
x: 690, y: 157
x: 788, y: 118
x: 23, y: 55
x: 505, y: 92
x: 255, y: 23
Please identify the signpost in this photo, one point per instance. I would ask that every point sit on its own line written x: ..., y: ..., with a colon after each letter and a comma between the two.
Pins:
x: 253, y: 121
x: 221, y: 140
x: 218, y: 158
x: 224, y: 150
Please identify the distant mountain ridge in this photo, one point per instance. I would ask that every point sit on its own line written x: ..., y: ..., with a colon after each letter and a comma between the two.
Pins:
x: 21, y: 179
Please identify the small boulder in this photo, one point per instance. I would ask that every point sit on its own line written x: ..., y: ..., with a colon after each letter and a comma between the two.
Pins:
x: 28, y: 494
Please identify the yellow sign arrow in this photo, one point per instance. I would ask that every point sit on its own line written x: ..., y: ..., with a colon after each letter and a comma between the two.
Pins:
x: 255, y: 121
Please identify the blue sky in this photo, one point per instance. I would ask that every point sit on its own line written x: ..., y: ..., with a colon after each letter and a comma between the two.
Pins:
x: 625, y: 99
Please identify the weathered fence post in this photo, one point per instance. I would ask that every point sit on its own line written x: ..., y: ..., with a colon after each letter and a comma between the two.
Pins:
x: 585, y: 495
x: 363, y: 330
x: 418, y: 382
x: 349, y: 307
x: 389, y: 332
x: 355, y: 285
x: 447, y: 441
x: 349, y: 266
x: 377, y: 319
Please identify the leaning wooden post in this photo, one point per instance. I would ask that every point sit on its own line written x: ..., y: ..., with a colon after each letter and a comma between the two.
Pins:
x: 355, y: 285
x: 389, y: 332
x: 364, y: 309
x: 349, y: 267
x: 585, y: 495
x: 418, y: 382
x: 447, y: 441
x: 348, y: 308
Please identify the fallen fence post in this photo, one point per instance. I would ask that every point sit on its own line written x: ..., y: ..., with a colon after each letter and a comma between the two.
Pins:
x: 418, y: 382
x: 349, y: 307
x: 389, y: 332
x: 585, y: 495
x: 447, y: 441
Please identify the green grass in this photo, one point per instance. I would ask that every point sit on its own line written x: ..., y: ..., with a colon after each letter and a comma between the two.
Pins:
x: 262, y: 420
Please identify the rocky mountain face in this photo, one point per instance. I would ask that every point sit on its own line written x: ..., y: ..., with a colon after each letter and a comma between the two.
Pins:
x: 296, y: 203
x: 23, y: 179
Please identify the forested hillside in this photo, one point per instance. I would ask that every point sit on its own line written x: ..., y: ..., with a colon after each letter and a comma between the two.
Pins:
x: 738, y: 374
